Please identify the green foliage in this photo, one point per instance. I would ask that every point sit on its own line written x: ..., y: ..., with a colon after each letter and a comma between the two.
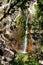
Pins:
x: 41, y: 1
x: 21, y: 19
x: 20, y: 60
x: 4, y: 9
x: 42, y: 47
x: 41, y: 24
x: 31, y: 63
x: 37, y: 11
x: 21, y: 22
x: 18, y: 4
x: 21, y: 4
x: 35, y: 23
x: 18, y: 20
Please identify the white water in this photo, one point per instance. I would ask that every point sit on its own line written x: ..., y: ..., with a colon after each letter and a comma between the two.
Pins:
x: 32, y: 11
x: 32, y: 8
x: 25, y: 40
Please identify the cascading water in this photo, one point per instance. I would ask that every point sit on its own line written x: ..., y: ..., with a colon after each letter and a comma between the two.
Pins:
x: 31, y: 8
x: 32, y: 11
x: 25, y: 40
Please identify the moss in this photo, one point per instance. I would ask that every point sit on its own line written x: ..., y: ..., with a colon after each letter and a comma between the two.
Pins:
x: 18, y: 19
x: 42, y: 47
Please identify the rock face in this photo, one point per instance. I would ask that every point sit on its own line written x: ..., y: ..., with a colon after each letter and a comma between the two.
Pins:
x: 7, y: 36
x: 6, y: 54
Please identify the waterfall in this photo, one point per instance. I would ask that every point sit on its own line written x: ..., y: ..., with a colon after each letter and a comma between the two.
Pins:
x: 32, y: 8
x: 32, y: 11
x: 25, y: 40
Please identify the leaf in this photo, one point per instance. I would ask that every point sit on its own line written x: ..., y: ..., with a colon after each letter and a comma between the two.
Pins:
x: 18, y: 4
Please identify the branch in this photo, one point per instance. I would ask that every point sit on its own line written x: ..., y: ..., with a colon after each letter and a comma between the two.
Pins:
x: 11, y: 7
x: 7, y: 13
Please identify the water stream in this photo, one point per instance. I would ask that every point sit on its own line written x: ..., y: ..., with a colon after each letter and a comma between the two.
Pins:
x: 25, y: 40
x: 32, y: 11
